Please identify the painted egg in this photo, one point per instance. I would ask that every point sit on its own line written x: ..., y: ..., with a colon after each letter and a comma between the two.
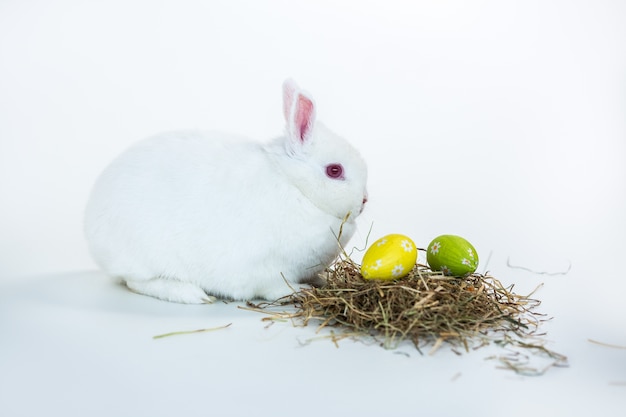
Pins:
x: 390, y: 257
x: 453, y: 255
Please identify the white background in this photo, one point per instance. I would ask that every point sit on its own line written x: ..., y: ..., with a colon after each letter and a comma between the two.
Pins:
x: 501, y: 121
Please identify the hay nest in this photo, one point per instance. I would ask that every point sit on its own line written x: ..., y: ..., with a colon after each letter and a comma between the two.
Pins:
x: 425, y: 308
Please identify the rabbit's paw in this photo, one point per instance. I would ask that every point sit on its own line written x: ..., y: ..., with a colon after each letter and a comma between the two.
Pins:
x: 171, y: 290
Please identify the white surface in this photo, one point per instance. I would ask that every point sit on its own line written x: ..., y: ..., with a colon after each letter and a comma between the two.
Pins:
x: 500, y: 121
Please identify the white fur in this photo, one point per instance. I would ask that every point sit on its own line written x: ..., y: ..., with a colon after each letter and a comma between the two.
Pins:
x: 186, y: 214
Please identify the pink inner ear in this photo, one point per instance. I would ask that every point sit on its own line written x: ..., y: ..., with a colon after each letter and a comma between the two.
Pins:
x: 304, y: 116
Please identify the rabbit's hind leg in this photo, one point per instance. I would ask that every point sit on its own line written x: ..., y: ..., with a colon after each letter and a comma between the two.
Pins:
x: 171, y: 290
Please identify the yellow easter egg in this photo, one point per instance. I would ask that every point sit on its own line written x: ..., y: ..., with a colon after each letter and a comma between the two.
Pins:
x: 390, y: 257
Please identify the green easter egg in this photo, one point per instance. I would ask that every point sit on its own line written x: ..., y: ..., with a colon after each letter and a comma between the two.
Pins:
x: 453, y: 255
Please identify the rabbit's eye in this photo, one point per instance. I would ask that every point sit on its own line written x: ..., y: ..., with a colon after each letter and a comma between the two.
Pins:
x: 334, y: 171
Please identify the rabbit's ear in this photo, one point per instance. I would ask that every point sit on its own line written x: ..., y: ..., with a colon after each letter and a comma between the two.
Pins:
x: 299, y: 112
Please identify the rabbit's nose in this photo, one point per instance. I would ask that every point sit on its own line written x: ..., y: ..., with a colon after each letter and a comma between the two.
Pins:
x: 363, y: 204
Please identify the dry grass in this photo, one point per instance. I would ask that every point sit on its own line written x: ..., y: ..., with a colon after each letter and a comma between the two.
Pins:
x: 425, y: 308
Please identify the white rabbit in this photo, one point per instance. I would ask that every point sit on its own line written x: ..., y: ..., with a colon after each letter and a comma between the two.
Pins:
x: 187, y: 216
